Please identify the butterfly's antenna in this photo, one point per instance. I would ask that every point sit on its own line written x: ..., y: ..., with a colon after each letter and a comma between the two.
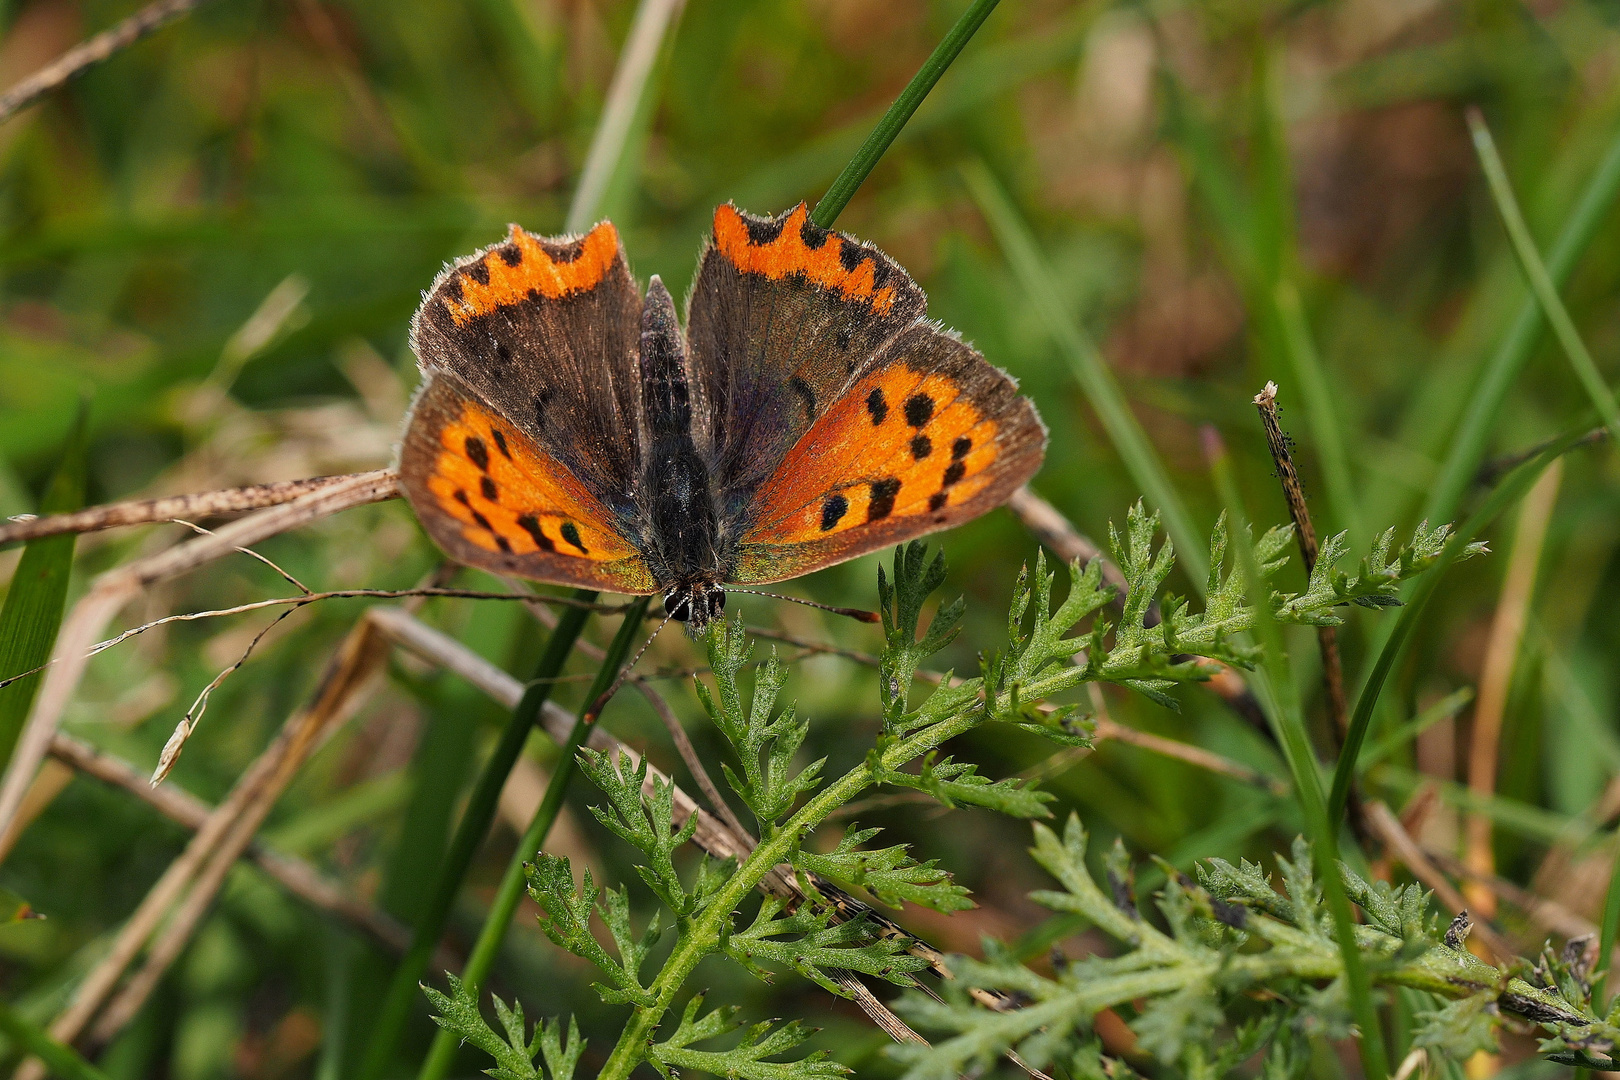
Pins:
x: 624, y: 673
x: 860, y: 614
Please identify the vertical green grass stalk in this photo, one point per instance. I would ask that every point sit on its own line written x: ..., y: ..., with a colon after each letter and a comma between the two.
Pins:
x: 1535, y: 272
x: 1090, y: 370
x: 1273, y: 685
x: 510, y: 891
x: 1467, y: 447
x: 470, y: 833
x: 1394, y: 644
x: 38, y: 594
x: 877, y: 144
x: 1607, y: 932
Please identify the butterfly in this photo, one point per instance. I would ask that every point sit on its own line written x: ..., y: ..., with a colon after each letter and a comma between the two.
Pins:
x: 568, y: 430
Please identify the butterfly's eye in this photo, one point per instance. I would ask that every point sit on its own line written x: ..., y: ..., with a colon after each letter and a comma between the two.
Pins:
x: 678, y: 606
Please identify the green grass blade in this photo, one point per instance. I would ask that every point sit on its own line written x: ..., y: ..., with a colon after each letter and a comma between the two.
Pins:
x: 510, y: 891
x: 1326, y: 433
x: 38, y: 594
x: 1448, y: 706
x: 1541, y: 284
x: 877, y: 144
x: 1607, y: 931
x: 1394, y: 645
x: 1469, y: 445
x: 1273, y: 685
x: 470, y: 833
x: 609, y: 156
x: 1090, y: 370
x: 63, y: 1061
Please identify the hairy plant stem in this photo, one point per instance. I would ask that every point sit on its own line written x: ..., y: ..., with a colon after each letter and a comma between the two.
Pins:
x: 703, y: 935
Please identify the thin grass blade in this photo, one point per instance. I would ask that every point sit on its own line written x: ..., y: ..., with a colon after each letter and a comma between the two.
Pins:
x: 877, y: 144
x: 510, y: 891
x: 1273, y: 685
x: 1394, y: 645
x: 38, y: 594
x: 1467, y: 448
x: 1090, y: 370
x: 1535, y: 271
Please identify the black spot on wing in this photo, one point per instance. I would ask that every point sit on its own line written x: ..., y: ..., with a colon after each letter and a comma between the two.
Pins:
x: 500, y: 443
x: 483, y: 522
x: 478, y: 452
x: 531, y: 525
x: 850, y: 256
x: 461, y: 497
x: 878, y: 406
x: 921, y: 447
x: 884, y: 493
x: 487, y: 487
x: 919, y: 410
x: 936, y: 500
x: 570, y: 533
x: 955, y: 472
x: 569, y: 252
x: 763, y: 230
x: 502, y: 543
x: 812, y: 234
x: 960, y: 448
x: 478, y: 271
x: 833, y: 511
x: 511, y: 254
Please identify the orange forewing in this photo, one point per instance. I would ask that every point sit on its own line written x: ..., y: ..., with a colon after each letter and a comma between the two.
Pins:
x: 789, y: 254
x: 507, y: 506
x: 536, y: 271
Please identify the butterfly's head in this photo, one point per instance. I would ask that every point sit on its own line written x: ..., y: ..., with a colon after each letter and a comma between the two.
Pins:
x: 695, y: 603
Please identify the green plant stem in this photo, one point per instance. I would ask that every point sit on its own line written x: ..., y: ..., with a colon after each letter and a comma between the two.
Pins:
x: 38, y: 593
x: 510, y: 891
x: 1609, y: 929
x: 1469, y: 444
x: 1541, y: 283
x: 64, y: 1061
x: 1090, y: 371
x: 1273, y: 686
x: 470, y: 833
x: 1394, y: 645
x: 702, y: 936
x: 877, y: 144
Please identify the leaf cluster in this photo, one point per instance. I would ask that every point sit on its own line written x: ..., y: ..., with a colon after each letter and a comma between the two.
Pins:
x: 1160, y: 642
x: 1235, y: 962
x: 1190, y: 964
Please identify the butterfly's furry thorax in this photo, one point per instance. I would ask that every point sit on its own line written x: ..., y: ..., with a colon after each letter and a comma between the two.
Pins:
x: 569, y: 431
x: 685, y: 553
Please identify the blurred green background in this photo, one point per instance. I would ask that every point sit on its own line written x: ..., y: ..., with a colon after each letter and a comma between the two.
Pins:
x: 220, y: 235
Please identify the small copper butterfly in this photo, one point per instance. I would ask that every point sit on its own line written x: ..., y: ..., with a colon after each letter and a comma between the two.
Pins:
x: 568, y: 431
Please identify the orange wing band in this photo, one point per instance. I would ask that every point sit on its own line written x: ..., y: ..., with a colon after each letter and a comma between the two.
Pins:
x: 789, y: 254
x: 494, y: 281
x: 511, y: 500
x: 902, y: 443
